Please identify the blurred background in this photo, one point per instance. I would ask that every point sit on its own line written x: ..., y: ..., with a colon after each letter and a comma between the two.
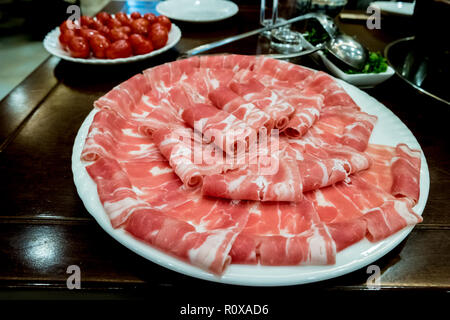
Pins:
x: 24, y: 23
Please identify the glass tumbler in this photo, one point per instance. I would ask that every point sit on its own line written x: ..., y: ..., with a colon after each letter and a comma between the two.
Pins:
x: 268, y: 15
x: 284, y: 39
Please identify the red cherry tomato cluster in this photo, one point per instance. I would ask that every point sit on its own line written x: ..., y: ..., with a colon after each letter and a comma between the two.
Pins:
x: 112, y: 37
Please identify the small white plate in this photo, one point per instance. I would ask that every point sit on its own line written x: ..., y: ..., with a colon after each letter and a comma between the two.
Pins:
x: 362, y: 80
x: 358, y: 79
x: 52, y: 45
x: 197, y: 10
x: 398, y: 8
x: 389, y: 130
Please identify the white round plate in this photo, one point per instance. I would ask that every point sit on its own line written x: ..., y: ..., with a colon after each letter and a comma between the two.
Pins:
x: 197, y: 10
x: 52, y: 45
x: 390, y: 130
x: 397, y: 8
x: 361, y: 80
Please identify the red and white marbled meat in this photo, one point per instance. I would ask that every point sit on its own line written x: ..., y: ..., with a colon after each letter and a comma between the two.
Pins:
x: 307, y: 111
x: 364, y: 203
x: 231, y: 62
x: 204, y: 245
x: 114, y: 137
x: 148, y: 113
x: 321, y: 189
x: 204, y: 80
x: 334, y: 94
x: 343, y: 125
x: 161, y: 212
x: 406, y: 173
x: 220, y: 127
x: 189, y: 158
x: 307, y: 104
x: 395, y: 169
x: 324, y: 165
x: 225, y: 99
x: 284, y: 233
x: 283, y: 71
x: 267, y: 100
x: 162, y: 77
x: 251, y: 182
x: 114, y: 190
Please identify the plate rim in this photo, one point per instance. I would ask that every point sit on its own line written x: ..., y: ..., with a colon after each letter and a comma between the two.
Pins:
x: 319, y: 273
x: 232, y: 5
x: 53, y: 35
x: 387, y: 10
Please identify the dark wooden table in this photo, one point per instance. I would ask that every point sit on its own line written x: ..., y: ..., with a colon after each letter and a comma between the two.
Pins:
x: 44, y: 227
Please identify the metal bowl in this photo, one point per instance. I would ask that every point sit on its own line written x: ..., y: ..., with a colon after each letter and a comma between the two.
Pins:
x: 330, y: 7
x: 425, y: 71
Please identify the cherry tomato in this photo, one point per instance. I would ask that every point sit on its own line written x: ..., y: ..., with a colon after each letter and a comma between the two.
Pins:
x: 117, y: 34
x: 63, y: 26
x: 159, y: 37
x: 143, y: 48
x: 150, y: 17
x: 68, y: 24
x: 65, y: 37
x: 165, y: 22
x: 123, y: 18
x: 103, y: 17
x: 125, y: 29
x: 135, y: 15
x: 104, y: 30
x: 113, y: 23
x: 135, y: 39
x: 156, y: 26
x: 86, y: 21
x: 79, y: 47
x: 99, y: 44
x: 96, y: 24
x: 140, y: 26
x: 88, y: 33
x: 119, y: 49
x: 140, y: 45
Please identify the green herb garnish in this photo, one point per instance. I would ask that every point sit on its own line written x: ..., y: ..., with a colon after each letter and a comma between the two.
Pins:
x: 376, y: 63
x: 314, y: 37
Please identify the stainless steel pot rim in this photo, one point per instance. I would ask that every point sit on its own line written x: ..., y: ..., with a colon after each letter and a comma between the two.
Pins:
x: 386, y: 54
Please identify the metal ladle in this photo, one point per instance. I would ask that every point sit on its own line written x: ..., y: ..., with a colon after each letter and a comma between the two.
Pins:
x: 327, y: 24
x: 341, y: 46
x: 347, y: 50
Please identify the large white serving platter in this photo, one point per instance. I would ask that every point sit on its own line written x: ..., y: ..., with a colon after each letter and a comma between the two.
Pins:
x: 390, y: 130
x: 200, y: 11
x: 52, y: 45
